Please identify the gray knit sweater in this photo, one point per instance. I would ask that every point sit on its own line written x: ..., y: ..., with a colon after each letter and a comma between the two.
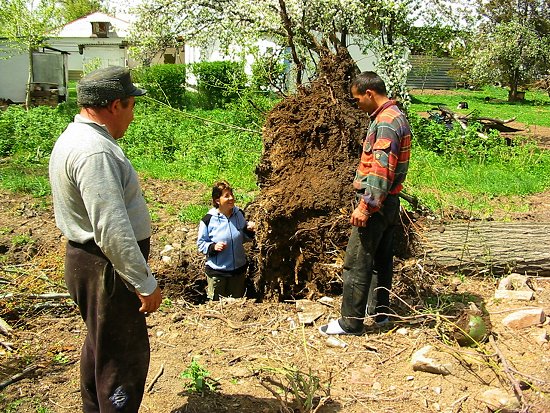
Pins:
x: 97, y: 196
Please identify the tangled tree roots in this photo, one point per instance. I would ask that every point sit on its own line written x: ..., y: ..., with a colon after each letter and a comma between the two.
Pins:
x: 311, y: 149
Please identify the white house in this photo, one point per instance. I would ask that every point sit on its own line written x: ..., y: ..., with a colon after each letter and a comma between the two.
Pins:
x: 97, y: 39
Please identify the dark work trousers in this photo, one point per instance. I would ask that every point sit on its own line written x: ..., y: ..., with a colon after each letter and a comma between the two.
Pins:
x: 218, y: 285
x: 368, y: 263
x: 115, y: 355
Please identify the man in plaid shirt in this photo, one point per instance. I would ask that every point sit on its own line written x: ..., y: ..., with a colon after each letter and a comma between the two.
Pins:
x: 378, y: 181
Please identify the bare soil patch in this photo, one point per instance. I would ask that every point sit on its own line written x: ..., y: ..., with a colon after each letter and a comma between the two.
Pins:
x: 243, y: 343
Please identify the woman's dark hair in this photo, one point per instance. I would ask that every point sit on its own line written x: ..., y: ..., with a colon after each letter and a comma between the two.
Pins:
x: 217, y: 191
x: 369, y: 81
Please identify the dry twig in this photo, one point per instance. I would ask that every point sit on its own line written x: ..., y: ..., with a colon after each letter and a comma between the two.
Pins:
x: 154, y: 380
x: 515, y: 384
x: 230, y: 323
x: 19, y: 376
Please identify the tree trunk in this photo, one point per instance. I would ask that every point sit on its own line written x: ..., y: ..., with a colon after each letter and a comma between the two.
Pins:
x: 495, y: 247
x: 513, y: 92
x: 29, y: 81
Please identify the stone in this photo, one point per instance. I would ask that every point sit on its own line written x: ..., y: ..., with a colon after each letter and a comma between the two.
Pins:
x: 402, y: 331
x: 326, y: 300
x: 336, y: 342
x: 524, y: 318
x: 541, y: 337
x: 309, y: 311
x: 514, y: 295
x: 514, y: 287
x: 166, y: 249
x: 420, y: 362
x: 499, y: 400
x: 514, y: 281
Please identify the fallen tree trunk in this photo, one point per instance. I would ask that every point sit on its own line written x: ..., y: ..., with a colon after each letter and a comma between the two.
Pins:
x: 496, y: 247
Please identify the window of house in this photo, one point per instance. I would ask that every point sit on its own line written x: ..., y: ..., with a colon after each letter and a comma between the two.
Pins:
x: 100, y: 29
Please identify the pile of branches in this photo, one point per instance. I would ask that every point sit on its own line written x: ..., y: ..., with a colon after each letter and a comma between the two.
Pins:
x: 442, y: 114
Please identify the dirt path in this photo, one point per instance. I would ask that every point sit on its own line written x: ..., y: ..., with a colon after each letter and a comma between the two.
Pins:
x: 244, y: 344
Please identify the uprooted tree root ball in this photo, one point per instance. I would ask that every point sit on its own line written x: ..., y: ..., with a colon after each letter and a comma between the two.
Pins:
x: 312, y: 143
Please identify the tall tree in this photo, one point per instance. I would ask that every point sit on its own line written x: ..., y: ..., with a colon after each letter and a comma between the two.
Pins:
x: 512, y: 44
x: 308, y: 28
x: 509, y: 52
x: 71, y: 10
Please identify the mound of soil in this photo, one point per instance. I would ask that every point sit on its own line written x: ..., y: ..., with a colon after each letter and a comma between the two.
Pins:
x: 311, y: 149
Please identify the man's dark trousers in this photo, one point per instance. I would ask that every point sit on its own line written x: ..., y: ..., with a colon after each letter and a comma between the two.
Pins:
x: 115, y: 355
x: 369, y: 250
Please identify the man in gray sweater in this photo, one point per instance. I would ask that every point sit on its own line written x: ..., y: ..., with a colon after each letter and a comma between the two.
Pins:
x: 99, y: 207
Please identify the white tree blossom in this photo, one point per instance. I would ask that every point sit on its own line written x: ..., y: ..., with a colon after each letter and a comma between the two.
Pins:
x: 306, y: 28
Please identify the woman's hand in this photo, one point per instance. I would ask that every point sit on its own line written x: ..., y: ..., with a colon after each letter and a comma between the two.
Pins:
x: 220, y: 246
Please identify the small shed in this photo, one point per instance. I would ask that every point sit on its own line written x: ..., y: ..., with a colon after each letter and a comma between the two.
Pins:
x: 50, y: 75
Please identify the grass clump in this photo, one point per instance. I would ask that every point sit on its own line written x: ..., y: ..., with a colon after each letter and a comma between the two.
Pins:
x: 452, y: 168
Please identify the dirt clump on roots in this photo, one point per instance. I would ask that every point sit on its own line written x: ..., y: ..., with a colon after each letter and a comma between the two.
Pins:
x: 311, y: 148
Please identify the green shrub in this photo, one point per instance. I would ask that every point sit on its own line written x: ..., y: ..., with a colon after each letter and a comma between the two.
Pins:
x: 165, y: 83
x: 268, y: 72
x: 219, y: 82
x: 30, y: 135
x: 198, y: 378
x: 458, y: 145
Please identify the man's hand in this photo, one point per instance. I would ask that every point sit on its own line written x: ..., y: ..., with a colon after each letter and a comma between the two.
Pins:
x: 150, y: 303
x: 358, y: 218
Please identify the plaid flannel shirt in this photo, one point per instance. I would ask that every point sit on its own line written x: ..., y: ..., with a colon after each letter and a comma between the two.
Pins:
x: 385, y: 157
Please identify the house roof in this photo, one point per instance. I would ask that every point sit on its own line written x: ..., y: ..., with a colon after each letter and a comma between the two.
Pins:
x: 82, y: 27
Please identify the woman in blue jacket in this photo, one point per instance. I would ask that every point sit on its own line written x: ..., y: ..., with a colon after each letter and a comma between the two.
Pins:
x: 222, y: 232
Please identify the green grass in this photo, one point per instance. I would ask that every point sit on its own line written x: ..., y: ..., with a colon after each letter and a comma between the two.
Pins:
x: 28, y: 179
x: 474, y: 187
x: 535, y: 110
x: 455, y: 179
x: 167, y: 144
x: 192, y: 213
x: 24, y: 404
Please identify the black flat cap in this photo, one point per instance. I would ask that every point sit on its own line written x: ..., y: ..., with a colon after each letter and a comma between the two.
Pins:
x: 102, y: 86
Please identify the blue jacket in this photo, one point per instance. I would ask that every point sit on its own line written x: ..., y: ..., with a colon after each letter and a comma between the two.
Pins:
x: 216, y: 227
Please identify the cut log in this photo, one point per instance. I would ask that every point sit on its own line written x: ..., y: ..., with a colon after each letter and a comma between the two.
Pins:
x: 498, y: 247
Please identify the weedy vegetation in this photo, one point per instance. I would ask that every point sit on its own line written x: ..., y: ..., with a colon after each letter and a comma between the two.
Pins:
x: 180, y: 137
x: 198, y: 378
